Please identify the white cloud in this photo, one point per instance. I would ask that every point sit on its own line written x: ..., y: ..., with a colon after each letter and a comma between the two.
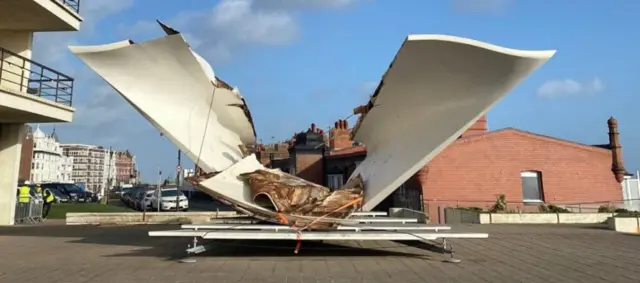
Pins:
x: 233, y: 25
x: 569, y: 87
x: 217, y: 33
x: 481, y: 6
x: 302, y: 4
x: 105, y: 106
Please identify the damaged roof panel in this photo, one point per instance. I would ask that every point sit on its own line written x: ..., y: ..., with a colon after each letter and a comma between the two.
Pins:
x: 436, y: 87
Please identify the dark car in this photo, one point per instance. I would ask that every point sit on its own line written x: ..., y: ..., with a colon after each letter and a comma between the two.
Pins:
x: 60, y: 197
x: 91, y: 196
x: 129, y: 197
x: 75, y: 193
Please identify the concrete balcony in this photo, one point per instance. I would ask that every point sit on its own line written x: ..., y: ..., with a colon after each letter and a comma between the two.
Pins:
x: 31, y: 92
x: 40, y: 15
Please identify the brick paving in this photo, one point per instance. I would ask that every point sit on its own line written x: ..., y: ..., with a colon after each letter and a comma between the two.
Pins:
x: 514, y: 253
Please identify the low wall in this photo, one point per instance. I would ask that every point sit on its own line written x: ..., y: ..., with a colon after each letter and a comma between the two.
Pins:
x: 544, y: 218
x: 625, y: 224
x: 145, y: 218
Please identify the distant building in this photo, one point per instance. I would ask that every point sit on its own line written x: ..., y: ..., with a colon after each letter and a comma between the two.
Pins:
x: 42, y: 158
x: 94, y: 166
x: 528, y: 168
x: 126, y: 172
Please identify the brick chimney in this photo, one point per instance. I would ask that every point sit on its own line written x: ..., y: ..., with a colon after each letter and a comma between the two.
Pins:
x: 306, y: 155
x: 479, y: 127
x: 339, y: 136
x: 617, y: 165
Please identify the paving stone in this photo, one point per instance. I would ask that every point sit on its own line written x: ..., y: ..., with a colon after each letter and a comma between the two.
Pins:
x: 513, y: 253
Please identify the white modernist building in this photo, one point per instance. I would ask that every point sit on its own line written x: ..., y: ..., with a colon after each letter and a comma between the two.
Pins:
x: 29, y: 92
x: 94, y: 166
x: 49, y: 164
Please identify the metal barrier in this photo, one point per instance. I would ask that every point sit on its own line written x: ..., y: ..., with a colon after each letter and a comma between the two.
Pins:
x: 401, y: 212
x: 72, y: 4
x: 25, y: 75
x: 29, y: 212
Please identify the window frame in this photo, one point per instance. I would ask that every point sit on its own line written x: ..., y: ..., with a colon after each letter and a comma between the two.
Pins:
x: 538, y: 176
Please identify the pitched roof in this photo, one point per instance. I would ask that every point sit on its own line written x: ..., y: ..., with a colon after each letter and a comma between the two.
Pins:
x: 362, y: 150
x: 348, y: 152
x: 600, y: 148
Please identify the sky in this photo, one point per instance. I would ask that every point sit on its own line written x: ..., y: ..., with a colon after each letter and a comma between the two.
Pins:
x: 299, y: 62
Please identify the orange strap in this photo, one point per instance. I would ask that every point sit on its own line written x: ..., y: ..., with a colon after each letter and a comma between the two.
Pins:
x: 285, y: 221
x: 353, y: 202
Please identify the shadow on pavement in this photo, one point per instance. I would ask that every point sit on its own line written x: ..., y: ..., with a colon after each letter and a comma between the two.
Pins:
x: 136, y: 236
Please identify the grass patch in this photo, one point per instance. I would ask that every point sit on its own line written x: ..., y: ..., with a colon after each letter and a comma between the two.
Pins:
x: 59, y: 211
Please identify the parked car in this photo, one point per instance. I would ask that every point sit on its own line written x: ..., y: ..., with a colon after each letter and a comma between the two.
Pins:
x: 91, y: 196
x: 167, y: 200
x: 129, y: 197
x: 143, y: 199
x: 123, y: 192
x: 75, y: 193
x: 60, y: 197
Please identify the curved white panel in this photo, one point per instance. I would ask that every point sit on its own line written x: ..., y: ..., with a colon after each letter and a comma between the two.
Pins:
x: 227, y: 103
x: 436, y: 87
x: 163, y: 80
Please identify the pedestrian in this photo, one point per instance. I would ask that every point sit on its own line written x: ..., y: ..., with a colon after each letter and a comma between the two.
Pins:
x: 24, y: 197
x: 38, y: 194
x: 49, y: 198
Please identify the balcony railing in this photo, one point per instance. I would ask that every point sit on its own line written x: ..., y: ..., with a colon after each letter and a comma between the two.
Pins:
x: 24, y: 75
x: 73, y: 4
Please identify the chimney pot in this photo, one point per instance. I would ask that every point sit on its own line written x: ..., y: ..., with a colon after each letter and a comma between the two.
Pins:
x: 617, y: 165
x: 346, y: 124
x: 335, y: 125
x: 313, y: 127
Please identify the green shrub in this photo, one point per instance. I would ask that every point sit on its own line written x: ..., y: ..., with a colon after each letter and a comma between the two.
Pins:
x: 500, y: 205
x: 606, y: 208
x: 552, y: 209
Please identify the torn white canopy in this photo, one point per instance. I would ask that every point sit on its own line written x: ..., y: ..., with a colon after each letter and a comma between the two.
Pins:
x: 227, y: 104
x: 436, y: 87
x: 167, y: 83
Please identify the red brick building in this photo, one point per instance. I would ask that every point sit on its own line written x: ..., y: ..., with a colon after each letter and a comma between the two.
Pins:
x: 529, y: 169
x: 26, y: 156
x: 125, y: 168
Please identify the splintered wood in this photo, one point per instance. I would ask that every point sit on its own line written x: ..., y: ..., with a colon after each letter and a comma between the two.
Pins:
x: 293, y: 200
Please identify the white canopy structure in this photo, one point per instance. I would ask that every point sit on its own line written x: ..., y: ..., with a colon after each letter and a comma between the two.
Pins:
x: 176, y: 91
x: 436, y: 87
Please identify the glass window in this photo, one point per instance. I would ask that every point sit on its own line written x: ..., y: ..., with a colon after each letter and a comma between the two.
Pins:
x: 335, y: 181
x: 531, y: 186
x: 170, y: 193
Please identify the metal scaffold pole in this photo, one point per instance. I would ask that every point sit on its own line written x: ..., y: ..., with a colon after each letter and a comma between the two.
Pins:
x: 179, y: 169
x: 158, y: 190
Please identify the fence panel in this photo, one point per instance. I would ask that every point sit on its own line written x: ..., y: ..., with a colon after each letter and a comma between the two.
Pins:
x: 631, y: 193
x: 460, y: 216
x: 28, y: 212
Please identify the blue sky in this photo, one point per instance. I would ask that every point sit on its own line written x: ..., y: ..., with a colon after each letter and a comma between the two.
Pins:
x: 303, y: 61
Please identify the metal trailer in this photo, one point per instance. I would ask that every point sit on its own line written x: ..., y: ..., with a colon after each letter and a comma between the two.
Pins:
x: 373, y: 226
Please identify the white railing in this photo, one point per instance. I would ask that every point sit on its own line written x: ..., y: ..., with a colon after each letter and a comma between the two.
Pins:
x: 631, y: 192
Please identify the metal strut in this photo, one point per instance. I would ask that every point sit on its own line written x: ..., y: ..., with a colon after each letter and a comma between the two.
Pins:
x: 448, y: 249
x: 194, y: 248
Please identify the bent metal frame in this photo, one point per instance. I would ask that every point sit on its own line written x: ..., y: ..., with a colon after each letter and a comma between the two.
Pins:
x: 373, y: 226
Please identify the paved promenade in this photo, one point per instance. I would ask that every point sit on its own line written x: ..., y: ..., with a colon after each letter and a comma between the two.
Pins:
x: 539, y: 253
